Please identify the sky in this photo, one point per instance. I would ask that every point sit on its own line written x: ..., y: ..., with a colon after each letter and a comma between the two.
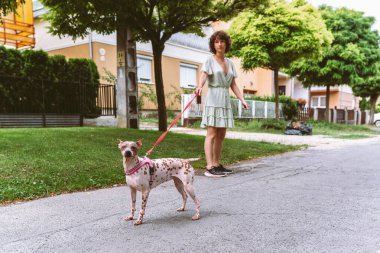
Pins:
x: 369, y: 7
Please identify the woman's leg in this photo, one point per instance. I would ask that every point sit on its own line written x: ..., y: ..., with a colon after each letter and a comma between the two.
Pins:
x: 208, y: 146
x: 218, y: 145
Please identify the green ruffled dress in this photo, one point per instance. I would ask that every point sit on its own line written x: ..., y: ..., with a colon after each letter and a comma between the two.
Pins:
x: 217, y: 111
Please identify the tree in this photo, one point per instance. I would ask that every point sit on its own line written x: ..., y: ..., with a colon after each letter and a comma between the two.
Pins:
x: 350, y: 59
x: 149, y: 20
x: 276, y: 36
x: 7, y: 6
x: 369, y: 87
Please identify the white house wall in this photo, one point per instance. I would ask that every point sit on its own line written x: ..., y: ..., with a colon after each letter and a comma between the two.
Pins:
x: 48, y: 42
x: 345, y: 88
x: 299, y: 91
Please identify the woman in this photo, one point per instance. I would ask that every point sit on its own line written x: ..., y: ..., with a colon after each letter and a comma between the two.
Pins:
x: 220, y: 74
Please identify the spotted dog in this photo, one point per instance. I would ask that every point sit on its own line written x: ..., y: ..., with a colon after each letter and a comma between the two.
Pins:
x: 143, y: 174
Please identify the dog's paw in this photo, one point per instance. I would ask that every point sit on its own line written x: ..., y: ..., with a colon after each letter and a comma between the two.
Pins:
x: 196, y: 216
x: 127, y: 218
x: 181, y: 209
x: 138, y: 222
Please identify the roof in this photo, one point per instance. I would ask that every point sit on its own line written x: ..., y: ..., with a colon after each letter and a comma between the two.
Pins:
x: 190, y: 40
x: 38, y: 9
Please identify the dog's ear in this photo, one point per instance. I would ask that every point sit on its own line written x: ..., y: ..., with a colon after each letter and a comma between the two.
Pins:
x: 120, y: 142
x: 139, y: 143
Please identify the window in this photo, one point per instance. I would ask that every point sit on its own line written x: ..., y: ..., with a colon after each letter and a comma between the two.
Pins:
x: 281, y: 90
x: 314, y: 102
x: 318, y: 101
x: 188, y: 75
x: 144, y: 69
x: 322, y: 101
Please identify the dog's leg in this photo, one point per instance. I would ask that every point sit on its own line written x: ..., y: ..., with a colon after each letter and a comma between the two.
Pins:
x: 145, y: 195
x: 133, y: 206
x: 190, y: 190
x: 179, y: 185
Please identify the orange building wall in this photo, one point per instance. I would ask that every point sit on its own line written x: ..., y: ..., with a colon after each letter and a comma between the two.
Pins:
x: 264, y: 82
x: 334, y: 97
x: 109, y: 62
x: 80, y: 51
x: 345, y: 100
x: 245, y: 79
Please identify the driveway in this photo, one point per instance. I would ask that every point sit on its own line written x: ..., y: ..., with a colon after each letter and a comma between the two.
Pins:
x: 311, y: 140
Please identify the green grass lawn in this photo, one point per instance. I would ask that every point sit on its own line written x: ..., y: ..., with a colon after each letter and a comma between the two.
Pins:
x: 342, y: 130
x: 39, y: 162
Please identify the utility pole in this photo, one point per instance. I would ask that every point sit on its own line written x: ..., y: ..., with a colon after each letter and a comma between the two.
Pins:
x: 126, y: 86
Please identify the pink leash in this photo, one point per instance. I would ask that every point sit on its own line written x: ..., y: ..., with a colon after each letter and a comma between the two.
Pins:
x: 171, y: 125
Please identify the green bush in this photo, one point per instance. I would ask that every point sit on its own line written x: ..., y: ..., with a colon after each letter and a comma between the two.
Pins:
x: 364, y: 104
x: 289, y: 109
x: 273, y: 124
x: 11, y: 63
x: 32, y: 81
x: 377, y: 110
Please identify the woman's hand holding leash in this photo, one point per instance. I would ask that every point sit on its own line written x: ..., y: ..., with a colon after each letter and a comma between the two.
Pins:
x: 244, y: 104
x: 198, y: 91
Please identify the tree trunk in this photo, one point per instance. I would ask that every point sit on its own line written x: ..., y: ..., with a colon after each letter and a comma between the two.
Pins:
x: 309, y: 102
x: 275, y: 71
x: 372, y: 100
x: 327, y: 112
x: 157, y: 58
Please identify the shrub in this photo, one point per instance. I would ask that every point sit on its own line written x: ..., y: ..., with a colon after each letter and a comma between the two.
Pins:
x: 289, y: 109
x: 273, y: 124
x: 364, y: 104
x: 32, y: 81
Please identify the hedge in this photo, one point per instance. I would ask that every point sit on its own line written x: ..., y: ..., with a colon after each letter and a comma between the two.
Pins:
x: 33, y: 82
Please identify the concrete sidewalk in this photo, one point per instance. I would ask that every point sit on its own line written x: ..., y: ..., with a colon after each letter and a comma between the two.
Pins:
x: 311, y: 140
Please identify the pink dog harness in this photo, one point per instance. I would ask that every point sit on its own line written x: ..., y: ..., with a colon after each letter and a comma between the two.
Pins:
x: 143, y: 162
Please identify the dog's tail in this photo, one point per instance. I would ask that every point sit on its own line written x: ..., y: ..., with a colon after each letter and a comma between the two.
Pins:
x: 192, y: 159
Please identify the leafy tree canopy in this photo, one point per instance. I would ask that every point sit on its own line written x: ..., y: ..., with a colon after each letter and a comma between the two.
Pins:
x: 275, y: 36
x: 7, y: 6
x: 278, y: 35
x: 147, y: 18
x: 351, y: 56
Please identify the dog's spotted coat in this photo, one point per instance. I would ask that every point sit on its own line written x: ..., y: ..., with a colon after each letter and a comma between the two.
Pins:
x: 180, y: 170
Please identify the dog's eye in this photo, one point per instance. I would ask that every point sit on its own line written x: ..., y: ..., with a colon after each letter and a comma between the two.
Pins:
x: 133, y: 148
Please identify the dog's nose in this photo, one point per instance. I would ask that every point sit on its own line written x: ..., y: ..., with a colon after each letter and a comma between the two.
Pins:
x: 128, y: 153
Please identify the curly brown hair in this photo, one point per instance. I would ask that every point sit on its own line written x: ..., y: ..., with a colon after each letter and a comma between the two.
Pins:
x: 220, y: 35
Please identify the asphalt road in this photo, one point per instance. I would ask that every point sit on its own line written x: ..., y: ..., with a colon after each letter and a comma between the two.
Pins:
x: 316, y: 200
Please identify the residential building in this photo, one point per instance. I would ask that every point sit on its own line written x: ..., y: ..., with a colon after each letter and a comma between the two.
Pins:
x: 341, y: 97
x: 181, y: 65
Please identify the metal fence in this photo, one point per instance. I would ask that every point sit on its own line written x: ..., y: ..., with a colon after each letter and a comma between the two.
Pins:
x: 344, y: 116
x: 42, y: 101
x: 305, y: 114
x: 257, y: 109
x: 106, y: 99
x: 21, y: 95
